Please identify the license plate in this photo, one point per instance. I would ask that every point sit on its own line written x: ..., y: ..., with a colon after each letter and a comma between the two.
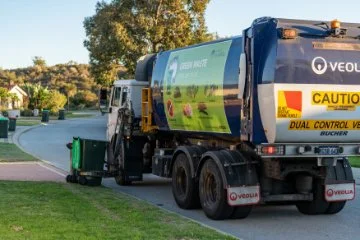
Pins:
x: 328, y: 150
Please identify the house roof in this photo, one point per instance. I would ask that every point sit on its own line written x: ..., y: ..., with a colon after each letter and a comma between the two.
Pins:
x: 16, y: 87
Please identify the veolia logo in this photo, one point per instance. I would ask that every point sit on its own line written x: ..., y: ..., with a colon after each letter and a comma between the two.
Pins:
x: 319, y: 65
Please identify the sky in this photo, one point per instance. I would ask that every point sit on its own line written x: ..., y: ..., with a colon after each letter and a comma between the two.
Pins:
x: 54, y: 29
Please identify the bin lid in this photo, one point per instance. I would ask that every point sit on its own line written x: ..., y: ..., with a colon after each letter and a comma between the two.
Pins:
x: 3, y: 118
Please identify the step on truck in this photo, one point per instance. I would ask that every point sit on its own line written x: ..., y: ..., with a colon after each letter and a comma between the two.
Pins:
x: 269, y: 116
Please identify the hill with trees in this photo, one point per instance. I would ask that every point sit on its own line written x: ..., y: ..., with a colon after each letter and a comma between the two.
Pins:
x: 68, y: 82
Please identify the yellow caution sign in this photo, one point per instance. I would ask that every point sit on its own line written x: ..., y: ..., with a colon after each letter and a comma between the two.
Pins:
x: 301, y: 125
x: 336, y: 101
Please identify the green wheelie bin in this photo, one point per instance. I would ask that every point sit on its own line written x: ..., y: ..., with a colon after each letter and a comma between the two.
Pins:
x: 12, y: 124
x: 88, y: 156
x: 4, y: 127
x: 61, y: 114
x: 45, y: 115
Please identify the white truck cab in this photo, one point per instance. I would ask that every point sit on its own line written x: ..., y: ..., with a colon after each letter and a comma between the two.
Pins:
x: 123, y: 91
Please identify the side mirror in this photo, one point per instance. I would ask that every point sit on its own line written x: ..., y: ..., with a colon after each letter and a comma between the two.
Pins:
x: 103, y: 98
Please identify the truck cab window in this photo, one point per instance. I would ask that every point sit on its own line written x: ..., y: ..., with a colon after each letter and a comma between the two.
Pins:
x: 124, y: 96
x: 115, y: 101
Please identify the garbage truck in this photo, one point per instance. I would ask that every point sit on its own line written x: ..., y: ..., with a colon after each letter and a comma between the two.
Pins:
x: 266, y: 117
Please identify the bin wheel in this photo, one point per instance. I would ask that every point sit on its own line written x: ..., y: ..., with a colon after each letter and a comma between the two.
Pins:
x: 82, y: 180
x: 68, y: 178
x: 94, y: 181
x: 73, y: 179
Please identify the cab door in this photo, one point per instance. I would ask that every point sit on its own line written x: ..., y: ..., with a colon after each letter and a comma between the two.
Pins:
x: 119, y: 98
x: 113, y: 111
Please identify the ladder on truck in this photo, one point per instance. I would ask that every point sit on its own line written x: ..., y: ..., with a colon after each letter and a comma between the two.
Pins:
x: 146, y: 111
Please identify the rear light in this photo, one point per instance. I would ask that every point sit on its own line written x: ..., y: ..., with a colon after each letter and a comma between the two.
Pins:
x: 289, y: 33
x: 270, y: 150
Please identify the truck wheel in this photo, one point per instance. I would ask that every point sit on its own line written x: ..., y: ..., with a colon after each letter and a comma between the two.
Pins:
x: 120, y: 179
x: 318, y: 205
x: 338, y: 173
x: 213, y: 197
x: 335, y: 207
x: 241, y: 212
x: 184, y: 188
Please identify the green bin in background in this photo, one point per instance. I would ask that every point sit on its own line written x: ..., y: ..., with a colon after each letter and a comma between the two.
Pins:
x: 45, y: 116
x: 12, y: 124
x: 4, y: 127
x: 61, y: 114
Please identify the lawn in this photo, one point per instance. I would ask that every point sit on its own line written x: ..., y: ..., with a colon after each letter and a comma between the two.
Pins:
x: 11, y: 153
x: 31, y: 210
x: 21, y: 122
x: 355, y: 161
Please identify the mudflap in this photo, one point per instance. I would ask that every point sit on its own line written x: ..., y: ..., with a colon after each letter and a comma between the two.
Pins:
x: 245, y: 195
x: 133, y: 158
x: 239, y: 175
x: 339, y: 183
x: 340, y: 192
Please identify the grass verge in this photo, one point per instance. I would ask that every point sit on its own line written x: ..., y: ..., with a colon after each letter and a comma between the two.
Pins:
x: 11, y: 153
x: 67, y: 115
x: 82, y: 115
x: 355, y: 161
x: 64, y: 211
x: 27, y: 122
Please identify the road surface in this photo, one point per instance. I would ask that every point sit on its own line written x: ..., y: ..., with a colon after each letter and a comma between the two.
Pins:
x: 265, y: 222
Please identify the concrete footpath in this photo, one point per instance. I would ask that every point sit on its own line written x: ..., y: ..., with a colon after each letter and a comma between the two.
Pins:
x: 28, y: 171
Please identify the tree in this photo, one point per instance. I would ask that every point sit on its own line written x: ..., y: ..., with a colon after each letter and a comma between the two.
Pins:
x: 70, y: 90
x: 39, y: 61
x: 54, y: 101
x: 85, y: 98
x: 4, y: 95
x: 36, y: 94
x: 123, y: 30
x: 14, y: 98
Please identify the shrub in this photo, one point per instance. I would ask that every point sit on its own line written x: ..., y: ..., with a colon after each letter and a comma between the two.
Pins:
x: 26, y: 113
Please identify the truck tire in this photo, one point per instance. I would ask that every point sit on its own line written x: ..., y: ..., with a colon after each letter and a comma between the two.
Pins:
x: 184, y: 188
x: 335, y: 207
x: 241, y: 212
x: 338, y: 173
x: 318, y: 205
x: 120, y: 179
x: 213, y: 196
